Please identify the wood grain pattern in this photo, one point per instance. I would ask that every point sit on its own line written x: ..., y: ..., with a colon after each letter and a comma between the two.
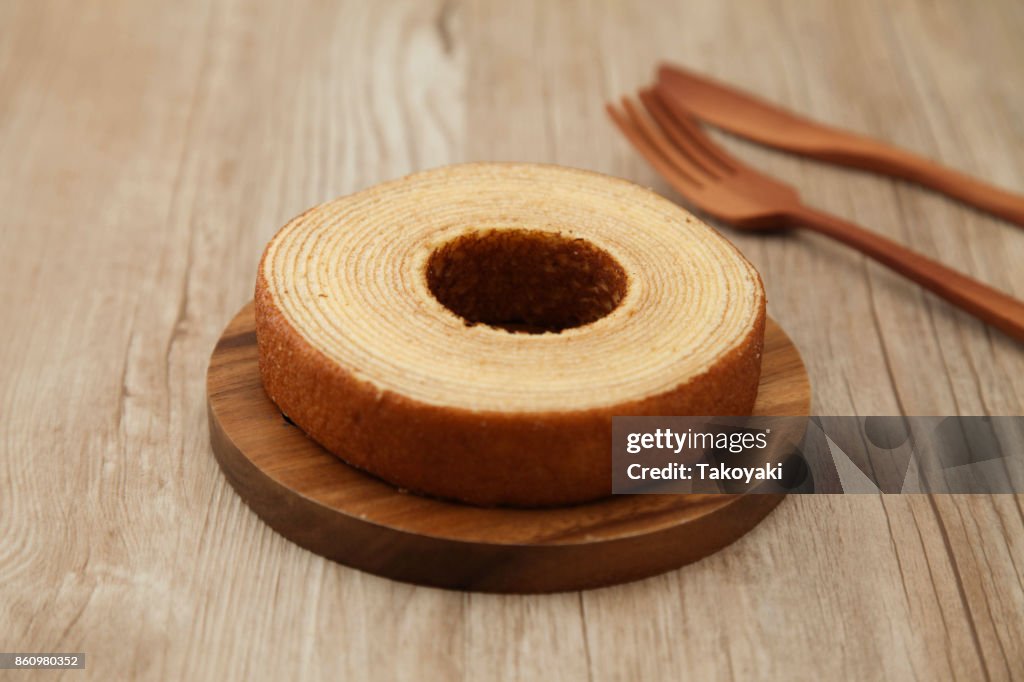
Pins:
x: 723, y: 187
x: 315, y: 500
x: 755, y: 119
x: 149, y: 150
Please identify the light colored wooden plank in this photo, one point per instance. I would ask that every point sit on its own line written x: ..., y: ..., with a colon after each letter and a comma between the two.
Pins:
x: 149, y: 150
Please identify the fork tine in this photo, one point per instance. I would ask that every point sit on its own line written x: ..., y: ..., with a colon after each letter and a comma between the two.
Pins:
x: 683, y: 142
x: 686, y: 125
x: 656, y: 136
x: 652, y: 145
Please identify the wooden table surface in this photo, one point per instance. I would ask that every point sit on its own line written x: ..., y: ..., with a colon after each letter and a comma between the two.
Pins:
x: 148, y: 150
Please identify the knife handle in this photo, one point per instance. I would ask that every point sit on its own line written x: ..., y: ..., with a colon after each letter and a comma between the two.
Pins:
x: 990, y: 305
x: 878, y: 157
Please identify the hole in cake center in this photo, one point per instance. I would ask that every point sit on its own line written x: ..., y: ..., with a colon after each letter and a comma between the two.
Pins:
x: 525, y: 280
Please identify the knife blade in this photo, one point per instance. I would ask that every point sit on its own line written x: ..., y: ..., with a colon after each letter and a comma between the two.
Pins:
x: 756, y: 119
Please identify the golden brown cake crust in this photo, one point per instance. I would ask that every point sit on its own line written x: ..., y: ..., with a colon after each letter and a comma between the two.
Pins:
x: 483, y: 458
x: 487, y: 457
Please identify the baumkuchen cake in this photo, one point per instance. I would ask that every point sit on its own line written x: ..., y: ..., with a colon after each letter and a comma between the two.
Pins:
x: 469, y: 332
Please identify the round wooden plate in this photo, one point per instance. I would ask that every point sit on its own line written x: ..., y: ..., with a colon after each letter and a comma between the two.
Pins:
x: 317, y: 501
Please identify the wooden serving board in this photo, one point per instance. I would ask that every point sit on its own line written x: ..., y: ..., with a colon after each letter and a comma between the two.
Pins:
x: 319, y: 502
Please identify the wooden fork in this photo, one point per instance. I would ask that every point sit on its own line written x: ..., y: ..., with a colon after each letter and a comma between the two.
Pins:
x: 723, y: 187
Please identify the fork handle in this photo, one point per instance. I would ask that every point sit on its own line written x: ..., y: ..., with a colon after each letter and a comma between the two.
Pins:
x: 992, y: 306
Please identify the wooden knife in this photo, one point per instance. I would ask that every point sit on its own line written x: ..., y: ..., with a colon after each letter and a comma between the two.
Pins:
x: 761, y: 121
